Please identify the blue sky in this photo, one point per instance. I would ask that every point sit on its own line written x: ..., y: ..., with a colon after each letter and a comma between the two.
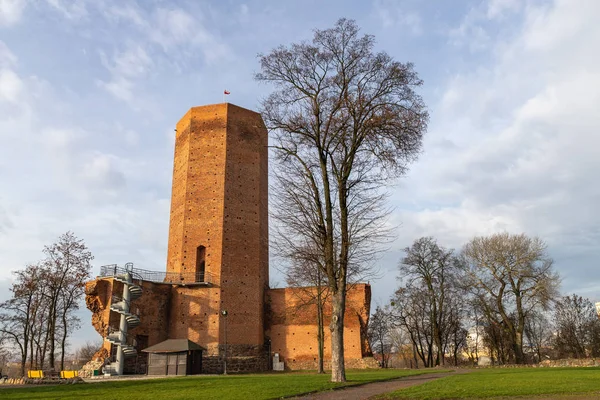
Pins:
x: 90, y: 92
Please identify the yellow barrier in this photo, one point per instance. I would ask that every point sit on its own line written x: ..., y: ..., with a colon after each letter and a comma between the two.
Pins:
x: 35, y: 374
x: 69, y: 374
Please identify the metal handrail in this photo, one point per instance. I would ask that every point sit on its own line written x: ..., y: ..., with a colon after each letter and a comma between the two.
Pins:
x: 117, y: 299
x: 130, y: 339
x: 155, y: 276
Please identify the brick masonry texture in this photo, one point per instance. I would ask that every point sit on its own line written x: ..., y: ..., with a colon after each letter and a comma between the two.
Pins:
x: 220, y: 205
x: 293, y: 329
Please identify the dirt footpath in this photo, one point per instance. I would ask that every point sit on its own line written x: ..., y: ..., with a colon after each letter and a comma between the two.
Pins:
x: 370, y: 390
x: 376, y: 388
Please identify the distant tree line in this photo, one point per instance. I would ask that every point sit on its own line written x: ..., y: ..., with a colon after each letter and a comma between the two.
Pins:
x: 38, y: 319
x: 498, y: 297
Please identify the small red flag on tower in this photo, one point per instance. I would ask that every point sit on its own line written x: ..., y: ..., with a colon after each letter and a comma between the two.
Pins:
x: 226, y: 92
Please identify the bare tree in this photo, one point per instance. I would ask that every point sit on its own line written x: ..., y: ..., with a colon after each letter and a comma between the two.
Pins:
x: 411, y: 311
x: 86, y: 351
x: 454, y: 337
x: 17, y: 315
x: 538, y: 333
x: 344, y: 120
x: 67, y: 266
x: 402, y: 346
x: 5, y: 354
x: 577, y: 327
x: 431, y: 267
x: 380, y: 330
x: 511, y: 275
x: 45, y: 296
x: 475, y: 332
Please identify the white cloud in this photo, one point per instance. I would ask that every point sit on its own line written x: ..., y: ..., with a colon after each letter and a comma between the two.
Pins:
x: 5, y: 221
x: 471, y: 32
x: 172, y: 35
x: 499, y: 8
x: 394, y: 14
x: 126, y: 67
x: 126, y: 12
x: 7, y: 58
x: 173, y: 29
x: 72, y: 10
x: 11, y: 11
x: 524, y: 130
x: 101, y: 172
x: 11, y: 86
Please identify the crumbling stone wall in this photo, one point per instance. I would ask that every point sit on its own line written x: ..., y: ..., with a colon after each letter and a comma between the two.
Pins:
x: 97, y: 299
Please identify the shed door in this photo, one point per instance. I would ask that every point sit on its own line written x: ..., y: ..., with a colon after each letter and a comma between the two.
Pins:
x: 195, y: 362
x: 181, y: 363
x: 172, y: 364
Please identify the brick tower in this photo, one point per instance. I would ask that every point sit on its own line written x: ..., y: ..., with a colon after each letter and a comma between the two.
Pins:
x: 218, y: 260
x: 219, y: 227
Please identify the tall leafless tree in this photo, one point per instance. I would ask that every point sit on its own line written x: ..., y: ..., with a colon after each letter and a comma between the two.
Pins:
x: 344, y: 120
x: 431, y: 267
x: 380, y: 334
x: 512, y: 276
x: 538, y: 333
x: 41, y: 312
x: 68, y: 267
x: 303, y: 260
x: 411, y: 311
x: 577, y: 327
x: 5, y: 354
x: 475, y: 333
x: 16, y: 319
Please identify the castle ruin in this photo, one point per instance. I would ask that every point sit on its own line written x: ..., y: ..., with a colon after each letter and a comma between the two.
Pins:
x: 215, y: 291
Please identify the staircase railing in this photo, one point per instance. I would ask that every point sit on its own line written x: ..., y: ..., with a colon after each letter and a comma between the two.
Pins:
x: 157, y: 276
x: 122, y: 306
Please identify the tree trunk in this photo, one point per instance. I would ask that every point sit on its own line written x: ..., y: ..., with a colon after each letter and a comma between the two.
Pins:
x: 23, y: 362
x: 63, y: 342
x: 52, y: 333
x: 415, y: 356
x: 45, y: 345
x: 31, y: 354
x: 518, y: 348
x: 338, y: 369
x: 321, y: 330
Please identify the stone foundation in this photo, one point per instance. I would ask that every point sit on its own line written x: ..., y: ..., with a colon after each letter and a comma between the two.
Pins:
x: 215, y: 365
x: 571, y: 362
x: 312, y: 364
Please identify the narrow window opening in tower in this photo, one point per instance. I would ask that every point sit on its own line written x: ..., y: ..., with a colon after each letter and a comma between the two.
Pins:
x: 200, y: 263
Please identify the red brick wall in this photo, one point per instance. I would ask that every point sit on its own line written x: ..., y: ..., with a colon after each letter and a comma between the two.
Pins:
x: 197, y: 197
x: 245, y: 268
x: 293, y: 327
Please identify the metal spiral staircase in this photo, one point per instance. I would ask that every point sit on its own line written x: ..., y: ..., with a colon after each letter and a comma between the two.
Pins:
x: 122, y: 305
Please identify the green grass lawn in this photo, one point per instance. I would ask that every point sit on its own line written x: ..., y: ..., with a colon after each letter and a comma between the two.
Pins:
x: 488, y: 383
x: 254, y: 387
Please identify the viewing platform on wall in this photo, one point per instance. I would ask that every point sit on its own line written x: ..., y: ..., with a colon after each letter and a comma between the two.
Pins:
x: 170, y: 278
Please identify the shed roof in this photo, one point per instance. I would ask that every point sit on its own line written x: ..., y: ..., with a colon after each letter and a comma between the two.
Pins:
x: 173, y: 346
